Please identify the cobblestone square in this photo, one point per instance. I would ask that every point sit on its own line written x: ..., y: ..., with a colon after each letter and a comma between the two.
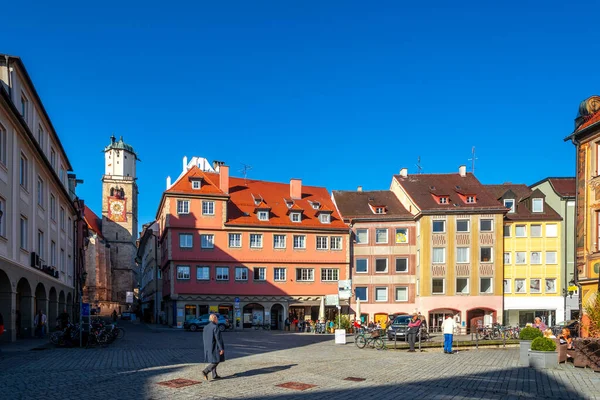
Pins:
x: 259, y: 361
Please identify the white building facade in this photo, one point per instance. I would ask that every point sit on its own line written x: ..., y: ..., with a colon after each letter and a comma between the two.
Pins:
x: 37, y: 222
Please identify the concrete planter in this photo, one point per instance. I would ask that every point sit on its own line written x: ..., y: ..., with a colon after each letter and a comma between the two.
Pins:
x: 524, y: 348
x: 543, y: 359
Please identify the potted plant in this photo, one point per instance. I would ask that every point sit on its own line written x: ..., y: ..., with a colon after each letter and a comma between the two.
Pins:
x: 543, y: 353
x: 527, y: 335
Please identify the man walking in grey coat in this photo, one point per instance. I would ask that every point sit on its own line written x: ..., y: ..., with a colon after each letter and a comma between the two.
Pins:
x: 214, y: 348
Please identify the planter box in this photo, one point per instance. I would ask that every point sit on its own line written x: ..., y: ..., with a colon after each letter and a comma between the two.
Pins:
x: 524, y: 347
x: 543, y: 359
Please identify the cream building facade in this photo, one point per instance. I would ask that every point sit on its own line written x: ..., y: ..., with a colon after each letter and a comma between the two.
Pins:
x: 37, y: 225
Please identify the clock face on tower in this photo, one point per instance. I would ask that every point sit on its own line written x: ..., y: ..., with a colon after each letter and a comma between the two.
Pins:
x: 117, y: 210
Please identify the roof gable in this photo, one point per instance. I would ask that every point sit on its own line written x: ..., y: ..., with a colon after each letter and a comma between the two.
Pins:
x: 208, y: 186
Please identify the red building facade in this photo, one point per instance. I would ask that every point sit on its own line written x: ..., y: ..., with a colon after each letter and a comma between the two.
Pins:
x: 255, y: 251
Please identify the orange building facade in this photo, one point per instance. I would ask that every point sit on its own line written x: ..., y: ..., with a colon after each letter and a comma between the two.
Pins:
x: 254, y: 251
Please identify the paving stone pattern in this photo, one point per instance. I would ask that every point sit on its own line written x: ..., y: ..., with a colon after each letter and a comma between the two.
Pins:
x: 259, y: 361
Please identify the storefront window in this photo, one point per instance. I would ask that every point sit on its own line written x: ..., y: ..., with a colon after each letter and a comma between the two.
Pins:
x: 190, y: 312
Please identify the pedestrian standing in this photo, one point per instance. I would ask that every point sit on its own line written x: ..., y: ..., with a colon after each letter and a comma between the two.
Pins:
x: 537, y: 323
x: 114, y: 316
x: 448, y: 327
x: 411, y: 333
x: 214, y: 348
x: 40, y: 324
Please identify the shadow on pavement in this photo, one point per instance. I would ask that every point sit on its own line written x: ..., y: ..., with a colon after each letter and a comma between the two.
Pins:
x: 260, y: 371
x: 510, y: 383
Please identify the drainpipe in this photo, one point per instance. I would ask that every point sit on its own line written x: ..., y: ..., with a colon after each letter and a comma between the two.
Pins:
x: 565, y: 288
x: 576, y: 269
x: 351, y: 264
x: 156, y: 266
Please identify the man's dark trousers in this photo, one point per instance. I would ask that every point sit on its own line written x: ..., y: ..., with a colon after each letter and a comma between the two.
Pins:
x: 211, y: 368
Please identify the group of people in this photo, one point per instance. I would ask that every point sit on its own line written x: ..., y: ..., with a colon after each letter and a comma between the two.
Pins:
x: 309, y: 325
x: 564, y: 337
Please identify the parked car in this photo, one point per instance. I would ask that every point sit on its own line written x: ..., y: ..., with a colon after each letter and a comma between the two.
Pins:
x: 398, y: 327
x: 126, y: 315
x: 200, y: 322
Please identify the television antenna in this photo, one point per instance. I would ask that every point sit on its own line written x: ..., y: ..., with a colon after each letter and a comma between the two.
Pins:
x: 418, y: 165
x: 244, y: 170
x: 472, y: 159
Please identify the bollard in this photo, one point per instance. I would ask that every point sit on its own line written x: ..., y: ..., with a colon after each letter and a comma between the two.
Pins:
x: 504, y: 339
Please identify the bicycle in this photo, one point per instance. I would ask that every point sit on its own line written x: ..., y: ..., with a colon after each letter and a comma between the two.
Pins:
x: 374, y: 340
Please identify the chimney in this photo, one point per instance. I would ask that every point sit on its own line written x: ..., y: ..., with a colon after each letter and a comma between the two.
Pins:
x: 404, y: 172
x: 296, y: 188
x: 185, y: 168
x: 224, y: 178
x: 462, y: 170
x: 217, y: 165
x: 359, y: 189
x: 168, y: 182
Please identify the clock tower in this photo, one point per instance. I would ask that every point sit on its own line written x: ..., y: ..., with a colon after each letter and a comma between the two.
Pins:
x: 120, y: 216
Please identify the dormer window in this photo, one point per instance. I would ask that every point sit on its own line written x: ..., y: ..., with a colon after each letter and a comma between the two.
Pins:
x: 196, y: 184
x: 510, y: 204
x: 263, y: 215
x: 470, y: 200
x: 537, y: 205
x: 443, y: 199
x: 325, y: 218
x: 315, y: 204
x: 288, y: 202
x: 257, y: 199
x: 295, y: 217
x: 377, y: 209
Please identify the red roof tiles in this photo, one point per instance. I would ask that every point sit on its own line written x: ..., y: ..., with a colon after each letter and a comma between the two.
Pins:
x: 593, y: 119
x: 274, y: 196
x: 92, y: 220
x: 421, y: 187
x: 359, y: 204
x: 208, y: 187
x: 240, y: 209
x: 564, y: 187
x: 522, y: 209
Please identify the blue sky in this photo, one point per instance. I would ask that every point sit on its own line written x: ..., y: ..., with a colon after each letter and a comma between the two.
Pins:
x: 339, y: 94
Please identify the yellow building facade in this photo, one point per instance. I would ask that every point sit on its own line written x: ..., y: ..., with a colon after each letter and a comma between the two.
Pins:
x: 586, y: 138
x: 533, y: 260
x: 533, y: 273
x: 459, y: 247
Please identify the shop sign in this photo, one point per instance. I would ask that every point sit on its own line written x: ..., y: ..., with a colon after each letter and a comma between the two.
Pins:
x: 345, y: 289
x: 214, y: 309
x: 129, y: 297
x: 332, y: 300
